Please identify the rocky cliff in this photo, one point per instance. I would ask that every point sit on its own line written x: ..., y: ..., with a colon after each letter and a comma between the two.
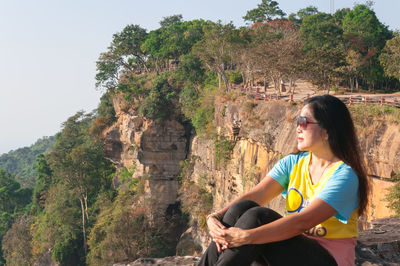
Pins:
x: 258, y: 133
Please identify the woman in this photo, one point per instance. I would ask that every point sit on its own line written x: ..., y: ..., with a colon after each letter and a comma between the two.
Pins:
x: 326, y: 189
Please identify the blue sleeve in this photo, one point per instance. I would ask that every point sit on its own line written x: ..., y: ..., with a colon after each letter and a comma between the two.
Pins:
x: 341, y: 192
x: 281, y: 171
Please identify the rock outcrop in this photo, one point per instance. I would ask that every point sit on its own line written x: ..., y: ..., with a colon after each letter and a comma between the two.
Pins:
x: 148, y: 149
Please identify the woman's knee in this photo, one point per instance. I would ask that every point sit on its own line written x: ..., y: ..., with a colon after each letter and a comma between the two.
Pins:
x: 237, y: 210
x: 241, y: 207
x: 257, y: 216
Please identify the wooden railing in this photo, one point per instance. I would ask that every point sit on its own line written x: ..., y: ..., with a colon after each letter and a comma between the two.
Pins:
x: 254, y: 93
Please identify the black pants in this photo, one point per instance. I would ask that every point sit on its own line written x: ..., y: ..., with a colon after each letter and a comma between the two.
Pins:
x: 298, y: 250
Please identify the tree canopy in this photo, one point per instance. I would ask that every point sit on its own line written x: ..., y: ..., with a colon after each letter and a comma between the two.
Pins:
x: 266, y: 10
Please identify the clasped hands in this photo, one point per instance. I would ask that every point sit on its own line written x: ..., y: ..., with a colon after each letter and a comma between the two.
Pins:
x: 226, y: 238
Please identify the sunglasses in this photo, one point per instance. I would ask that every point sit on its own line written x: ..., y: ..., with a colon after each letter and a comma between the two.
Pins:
x: 302, y: 122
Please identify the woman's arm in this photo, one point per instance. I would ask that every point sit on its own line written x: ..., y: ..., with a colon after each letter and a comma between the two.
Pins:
x: 281, y: 229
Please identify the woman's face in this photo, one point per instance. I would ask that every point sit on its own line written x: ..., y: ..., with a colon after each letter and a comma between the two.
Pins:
x: 310, y: 137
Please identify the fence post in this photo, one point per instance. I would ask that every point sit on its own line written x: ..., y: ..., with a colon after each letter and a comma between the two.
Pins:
x: 257, y: 97
x: 366, y: 100
x: 351, y: 100
x: 382, y: 101
x: 278, y: 97
x: 291, y: 98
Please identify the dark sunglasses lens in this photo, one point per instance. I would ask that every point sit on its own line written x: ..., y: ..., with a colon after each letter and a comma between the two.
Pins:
x: 302, y: 121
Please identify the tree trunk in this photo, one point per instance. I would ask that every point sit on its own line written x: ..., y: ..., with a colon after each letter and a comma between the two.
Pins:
x: 351, y: 84
x: 219, y: 81
x: 86, y: 208
x: 226, y: 81
x: 265, y: 84
x: 83, y: 226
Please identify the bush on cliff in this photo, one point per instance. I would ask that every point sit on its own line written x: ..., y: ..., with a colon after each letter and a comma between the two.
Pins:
x: 125, y: 231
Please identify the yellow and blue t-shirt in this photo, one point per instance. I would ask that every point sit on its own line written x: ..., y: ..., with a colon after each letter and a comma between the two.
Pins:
x: 338, y: 187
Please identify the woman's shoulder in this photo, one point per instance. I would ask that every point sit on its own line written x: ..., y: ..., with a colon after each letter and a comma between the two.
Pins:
x: 345, y: 172
x: 295, y: 157
x: 289, y: 161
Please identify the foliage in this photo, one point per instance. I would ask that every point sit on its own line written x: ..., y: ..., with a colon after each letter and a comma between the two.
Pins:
x: 196, y: 201
x: 43, y: 182
x: 124, y: 231
x: 361, y: 24
x: 223, y: 149
x: 393, y: 196
x: 160, y: 102
x: 57, y: 227
x: 297, y: 19
x: 363, y: 115
x: 123, y: 58
x: 266, y: 10
x: 13, y: 202
x: 215, y: 49
x: 78, y: 173
x: 390, y: 57
x: 277, y: 51
x: 18, y: 238
x: 106, y: 108
x: 322, y: 39
x: 21, y: 162
x: 235, y: 77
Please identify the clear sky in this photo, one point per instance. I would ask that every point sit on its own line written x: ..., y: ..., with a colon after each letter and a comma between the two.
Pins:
x: 48, y: 50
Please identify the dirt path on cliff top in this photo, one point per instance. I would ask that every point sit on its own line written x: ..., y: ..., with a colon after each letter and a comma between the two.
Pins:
x: 305, y: 88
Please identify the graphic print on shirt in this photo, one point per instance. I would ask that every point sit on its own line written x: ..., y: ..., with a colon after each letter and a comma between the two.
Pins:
x: 295, y: 203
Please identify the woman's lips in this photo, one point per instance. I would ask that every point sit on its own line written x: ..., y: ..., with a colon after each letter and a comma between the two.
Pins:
x: 300, y: 139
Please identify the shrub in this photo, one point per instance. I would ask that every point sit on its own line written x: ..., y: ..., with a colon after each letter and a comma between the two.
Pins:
x: 393, y: 197
x: 124, y: 231
x: 235, y: 77
x: 202, y: 117
x: 223, y: 149
x: 161, y: 101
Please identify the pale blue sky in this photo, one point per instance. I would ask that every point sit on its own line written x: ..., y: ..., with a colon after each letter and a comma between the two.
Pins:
x: 48, y: 50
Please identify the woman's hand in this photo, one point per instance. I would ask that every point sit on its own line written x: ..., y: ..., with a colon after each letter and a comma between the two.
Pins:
x: 217, y: 232
x: 236, y: 237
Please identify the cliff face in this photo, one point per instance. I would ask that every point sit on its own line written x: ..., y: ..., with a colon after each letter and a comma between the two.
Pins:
x: 262, y: 133
x: 148, y: 149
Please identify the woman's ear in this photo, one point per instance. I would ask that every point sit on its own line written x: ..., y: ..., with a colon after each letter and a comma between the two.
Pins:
x: 325, y: 135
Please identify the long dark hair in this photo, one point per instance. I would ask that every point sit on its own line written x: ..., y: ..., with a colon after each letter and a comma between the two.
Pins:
x: 333, y: 115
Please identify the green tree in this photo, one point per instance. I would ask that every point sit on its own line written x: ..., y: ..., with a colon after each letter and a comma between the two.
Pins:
x: 58, y: 227
x: 78, y: 162
x: 123, y: 58
x: 277, y: 51
x: 161, y: 101
x: 297, y: 18
x: 322, y: 47
x: 43, y: 182
x: 172, y: 41
x: 390, y: 57
x: 17, y: 247
x: 216, y: 49
x: 266, y: 10
x: 361, y: 23
x: 170, y: 20
x: 13, y: 201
